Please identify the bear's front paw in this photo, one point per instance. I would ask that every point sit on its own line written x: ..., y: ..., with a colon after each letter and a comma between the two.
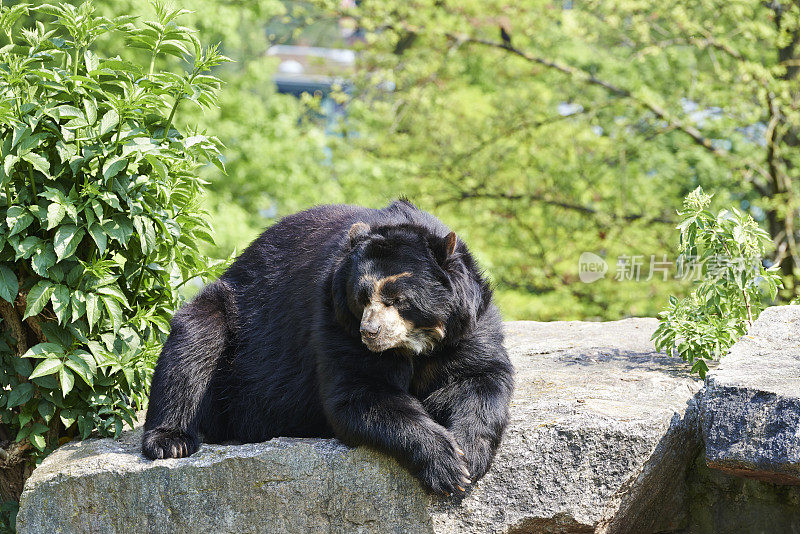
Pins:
x: 168, y: 443
x: 479, y: 453
x: 445, y: 472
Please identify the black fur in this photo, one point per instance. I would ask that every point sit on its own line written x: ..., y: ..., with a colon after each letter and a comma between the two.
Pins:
x: 273, y: 348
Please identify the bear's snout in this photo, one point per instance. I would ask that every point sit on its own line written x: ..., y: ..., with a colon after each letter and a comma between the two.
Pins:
x: 370, y: 330
x: 382, y: 327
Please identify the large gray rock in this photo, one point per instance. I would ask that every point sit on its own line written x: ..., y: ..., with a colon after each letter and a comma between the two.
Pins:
x: 751, y: 403
x: 284, y: 485
x: 602, y: 432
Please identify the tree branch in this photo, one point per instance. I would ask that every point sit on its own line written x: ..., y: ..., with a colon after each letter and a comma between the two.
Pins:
x: 466, y: 195
x: 591, y: 79
x: 709, y: 41
x: 11, y: 319
x: 511, y: 130
x: 14, y: 453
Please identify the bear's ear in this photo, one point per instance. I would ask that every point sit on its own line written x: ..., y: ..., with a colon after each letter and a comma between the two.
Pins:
x: 450, y: 243
x: 357, y: 233
x: 443, y: 248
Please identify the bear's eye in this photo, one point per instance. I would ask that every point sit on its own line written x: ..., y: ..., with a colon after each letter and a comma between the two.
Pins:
x: 395, y: 300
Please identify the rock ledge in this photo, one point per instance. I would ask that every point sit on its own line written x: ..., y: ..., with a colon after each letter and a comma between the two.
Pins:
x: 603, y: 430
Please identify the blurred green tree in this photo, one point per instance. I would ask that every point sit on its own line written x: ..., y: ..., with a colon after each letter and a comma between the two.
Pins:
x: 544, y: 129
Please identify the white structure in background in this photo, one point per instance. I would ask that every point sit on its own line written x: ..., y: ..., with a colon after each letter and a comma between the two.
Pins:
x: 309, y: 69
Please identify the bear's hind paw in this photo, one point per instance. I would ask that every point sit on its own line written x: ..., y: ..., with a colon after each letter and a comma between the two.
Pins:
x: 169, y: 443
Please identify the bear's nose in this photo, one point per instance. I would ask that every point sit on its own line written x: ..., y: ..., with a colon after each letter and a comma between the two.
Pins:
x: 370, y: 330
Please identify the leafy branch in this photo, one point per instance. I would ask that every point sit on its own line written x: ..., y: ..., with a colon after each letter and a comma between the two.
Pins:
x: 725, y: 251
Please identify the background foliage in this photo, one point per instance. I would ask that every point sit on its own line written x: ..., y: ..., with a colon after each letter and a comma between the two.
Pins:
x: 584, y: 123
x: 586, y: 126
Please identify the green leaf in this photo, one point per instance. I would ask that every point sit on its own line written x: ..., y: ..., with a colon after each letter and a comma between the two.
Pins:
x: 46, y: 409
x: 129, y: 376
x: 24, y: 416
x: 45, y: 349
x: 76, y: 124
x: 27, y: 247
x: 31, y: 142
x: 78, y: 305
x: 55, y: 212
x: 21, y: 131
x: 114, y: 291
x: 157, y: 165
x: 38, y: 297
x: 99, y: 235
x: 88, y: 359
x: 147, y: 235
x: 38, y: 441
x: 18, y: 219
x: 39, y: 163
x: 22, y: 366
x: 61, y: 302
x: 91, y: 61
x: 9, y: 162
x: 111, y: 199
x: 66, y: 379
x: 67, y: 239
x: 119, y: 228
x: 92, y: 308
x: 67, y: 417
x: 98, y: 352
x: 97, y: 208
x: 23, y: 433
x: 81, y: 368
x: 21, y: 394
x: 44, y: 258
x: 175, y: 48
x: 114, y: 311
x: 46, y: 367
x: 114, y: 166
x: 108, y: 122
x: 69, y: 112
x: 9, y: 286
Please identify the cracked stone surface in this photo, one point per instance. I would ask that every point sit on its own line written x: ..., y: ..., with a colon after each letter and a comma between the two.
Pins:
x: 603, y: 430
x: 751, y: 403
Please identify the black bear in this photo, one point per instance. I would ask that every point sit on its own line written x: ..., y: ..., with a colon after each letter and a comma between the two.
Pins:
x: 374, y: 326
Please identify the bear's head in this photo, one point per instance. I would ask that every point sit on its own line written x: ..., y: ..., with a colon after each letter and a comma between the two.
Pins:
x: 402, y: 287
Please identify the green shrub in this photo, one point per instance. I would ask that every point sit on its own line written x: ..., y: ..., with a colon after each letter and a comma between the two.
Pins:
x: 733, y: 287
x: 99, y: 219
